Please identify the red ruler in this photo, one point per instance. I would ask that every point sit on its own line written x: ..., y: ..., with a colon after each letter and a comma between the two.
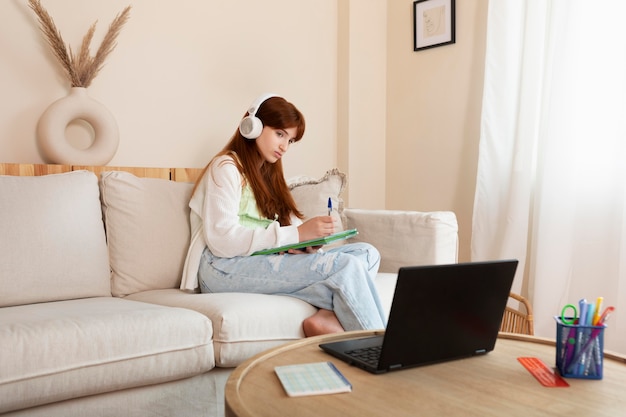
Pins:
x: 546, y: 376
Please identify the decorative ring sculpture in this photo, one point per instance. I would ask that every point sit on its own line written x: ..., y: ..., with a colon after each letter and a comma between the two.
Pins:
x: 51, y: 130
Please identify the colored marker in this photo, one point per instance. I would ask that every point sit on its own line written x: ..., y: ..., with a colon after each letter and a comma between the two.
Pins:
x: 330, y: 206
x: 596, y: 314
x: 605, y: 315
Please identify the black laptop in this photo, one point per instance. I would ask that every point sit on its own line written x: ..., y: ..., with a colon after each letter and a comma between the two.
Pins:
x: 439, y: 313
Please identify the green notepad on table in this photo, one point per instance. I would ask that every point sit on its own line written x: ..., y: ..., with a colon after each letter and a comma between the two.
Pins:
x: 312, y: 379
x: 346, y: 234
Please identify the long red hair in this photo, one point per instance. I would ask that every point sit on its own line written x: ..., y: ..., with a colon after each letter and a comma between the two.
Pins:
x: 267, y: 180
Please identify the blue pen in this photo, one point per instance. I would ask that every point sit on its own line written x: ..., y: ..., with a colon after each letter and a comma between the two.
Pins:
x: 597, y: 355
x: 582, y: 308
x: 579, y: 360
x: 330, y: 206
x: 591, y: 308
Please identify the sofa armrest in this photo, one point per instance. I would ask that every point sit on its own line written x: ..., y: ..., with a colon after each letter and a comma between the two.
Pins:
x: 406, y: 238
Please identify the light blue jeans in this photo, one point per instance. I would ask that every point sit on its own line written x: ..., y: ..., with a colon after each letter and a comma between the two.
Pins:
x: 340, y: 279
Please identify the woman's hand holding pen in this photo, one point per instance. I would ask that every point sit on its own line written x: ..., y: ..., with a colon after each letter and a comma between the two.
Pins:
x: 316, y: 227
x: 312, y: 229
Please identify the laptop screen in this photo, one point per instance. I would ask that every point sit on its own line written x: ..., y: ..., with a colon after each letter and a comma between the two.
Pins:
x: 444, y: 312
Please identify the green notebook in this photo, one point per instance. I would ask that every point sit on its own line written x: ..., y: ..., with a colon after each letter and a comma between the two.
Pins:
x: 312, y: 379
x: 346, y: 234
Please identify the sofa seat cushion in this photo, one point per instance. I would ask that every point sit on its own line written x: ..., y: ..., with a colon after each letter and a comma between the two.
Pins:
x: 59, y: 350
x: 243, y: 324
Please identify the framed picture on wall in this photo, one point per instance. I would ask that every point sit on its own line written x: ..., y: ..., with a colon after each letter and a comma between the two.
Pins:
x: 433, y: 23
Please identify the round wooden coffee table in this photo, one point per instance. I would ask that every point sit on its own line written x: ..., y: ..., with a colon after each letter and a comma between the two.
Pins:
x: 495, y: 384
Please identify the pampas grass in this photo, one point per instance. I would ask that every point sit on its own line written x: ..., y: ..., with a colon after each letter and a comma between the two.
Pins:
x: 80, y: 68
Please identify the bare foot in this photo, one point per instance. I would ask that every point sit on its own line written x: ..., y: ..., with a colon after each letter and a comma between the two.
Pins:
x: 322, y: 322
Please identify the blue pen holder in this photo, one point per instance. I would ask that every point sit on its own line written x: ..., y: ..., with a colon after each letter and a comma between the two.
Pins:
x: 579, y: 350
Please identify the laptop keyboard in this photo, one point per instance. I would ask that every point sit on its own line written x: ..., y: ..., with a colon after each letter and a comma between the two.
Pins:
x: 370, y: 355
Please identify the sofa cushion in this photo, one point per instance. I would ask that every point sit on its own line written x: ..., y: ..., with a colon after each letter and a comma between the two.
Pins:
x: 243, y: 324
x: 55, y: 351
x: 311, y: 195
x: 386, y: 287
x: 147, y: 225
x: 52, y: 244
x: 425, y: 237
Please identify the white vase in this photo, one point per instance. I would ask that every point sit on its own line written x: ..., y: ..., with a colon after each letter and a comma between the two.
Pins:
x: 77, y: 105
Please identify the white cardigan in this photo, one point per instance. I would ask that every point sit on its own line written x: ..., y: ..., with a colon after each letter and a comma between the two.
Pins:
x: 218, y: 197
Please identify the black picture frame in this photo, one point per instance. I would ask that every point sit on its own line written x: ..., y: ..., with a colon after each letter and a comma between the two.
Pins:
x: 433, y: 23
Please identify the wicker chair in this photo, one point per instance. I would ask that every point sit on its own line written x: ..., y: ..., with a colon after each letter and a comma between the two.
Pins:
x: 518, y: 320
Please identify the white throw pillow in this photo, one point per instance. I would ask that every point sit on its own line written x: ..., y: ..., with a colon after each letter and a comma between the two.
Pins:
x: 311, y: 195
x: 52, y: 244
x: 147, y: 225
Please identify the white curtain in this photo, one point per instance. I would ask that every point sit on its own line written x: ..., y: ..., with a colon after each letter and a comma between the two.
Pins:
x: 551, y: 183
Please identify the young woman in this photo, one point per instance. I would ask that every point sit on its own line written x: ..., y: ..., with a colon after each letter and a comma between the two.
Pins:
x: 242, y: 204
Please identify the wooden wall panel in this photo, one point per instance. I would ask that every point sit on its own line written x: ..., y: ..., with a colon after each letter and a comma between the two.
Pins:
x: 162, y: 173
x: 174, y: 174
x: 186, y: 174
x: 29, y: 170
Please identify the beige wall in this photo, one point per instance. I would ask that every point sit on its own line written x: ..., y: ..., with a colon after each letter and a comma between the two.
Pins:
x: 362, y: 64
x: 181, y: 77
x: 403, y: 125
x: 433, y: 116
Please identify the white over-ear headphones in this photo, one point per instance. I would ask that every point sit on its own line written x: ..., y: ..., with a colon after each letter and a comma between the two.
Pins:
x: 251, y: 126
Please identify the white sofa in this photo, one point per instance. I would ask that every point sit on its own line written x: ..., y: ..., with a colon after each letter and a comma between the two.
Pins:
x: 91, y: 318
